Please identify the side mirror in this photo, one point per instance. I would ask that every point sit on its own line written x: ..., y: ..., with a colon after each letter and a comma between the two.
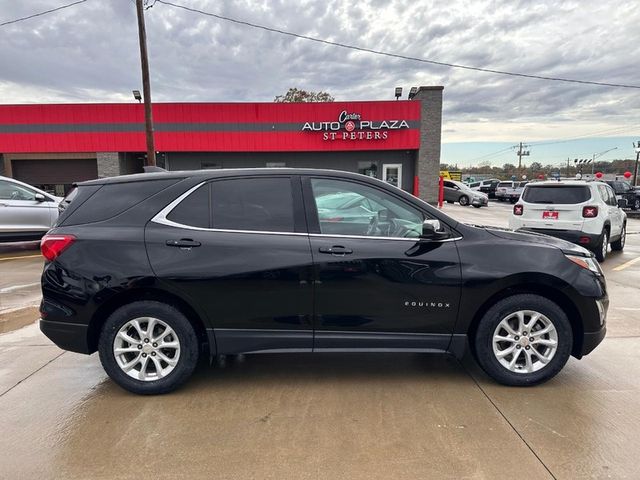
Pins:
x: 39, y: 197
x: 622, y: 203
x: 432, y: 230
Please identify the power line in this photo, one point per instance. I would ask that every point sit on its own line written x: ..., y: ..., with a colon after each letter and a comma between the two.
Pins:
x: 393, y: 55
x: 41, y: 13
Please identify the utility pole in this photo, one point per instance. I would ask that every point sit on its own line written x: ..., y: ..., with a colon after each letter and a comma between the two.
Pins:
x: 568, y: 167
x: 636, y: 147
x: 146, y: 85
x: 521, y: 153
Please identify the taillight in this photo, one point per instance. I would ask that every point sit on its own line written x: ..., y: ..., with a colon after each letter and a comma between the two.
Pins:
x: 518, y: 209
x: 52, y: 246
x: 589, y: 212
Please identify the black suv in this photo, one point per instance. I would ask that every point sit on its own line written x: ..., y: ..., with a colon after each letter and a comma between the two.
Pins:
x: 156, y: 270
x: 624, y: 191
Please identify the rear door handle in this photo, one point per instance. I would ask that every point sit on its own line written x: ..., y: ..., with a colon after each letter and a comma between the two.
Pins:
x: 338, y: 250
x: 183, y: 243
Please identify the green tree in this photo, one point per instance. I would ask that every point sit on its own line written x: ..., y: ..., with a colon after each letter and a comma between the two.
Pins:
x: 298, y: 95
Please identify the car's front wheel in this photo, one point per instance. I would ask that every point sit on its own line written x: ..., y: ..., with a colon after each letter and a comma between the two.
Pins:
x: 148, y: 347
x: 463, y: 200
x: 523, y: 340
x: 618, y: 245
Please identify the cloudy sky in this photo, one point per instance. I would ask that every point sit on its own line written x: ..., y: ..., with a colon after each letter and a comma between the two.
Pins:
x: 89, y: 53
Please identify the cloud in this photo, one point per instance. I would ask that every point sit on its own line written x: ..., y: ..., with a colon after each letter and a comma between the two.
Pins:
x: 90, y: 53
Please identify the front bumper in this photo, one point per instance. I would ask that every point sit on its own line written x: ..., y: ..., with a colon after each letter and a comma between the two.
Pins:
x: 481, y: 201
x: 592, y: 339
x: 68, y: 336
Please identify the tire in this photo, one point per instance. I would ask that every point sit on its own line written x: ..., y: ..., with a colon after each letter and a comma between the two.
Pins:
x: 636, y: 204
x: 185, y: 353
x: 477, y: 206
x: 463, y: 200
x: 513, y: 200
x: 601, y: 250
x: 450, y: 201
x: 505, y: 310
x: 618, y: 245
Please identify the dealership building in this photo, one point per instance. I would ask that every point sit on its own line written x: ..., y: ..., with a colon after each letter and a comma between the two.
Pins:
x: 52, y: 146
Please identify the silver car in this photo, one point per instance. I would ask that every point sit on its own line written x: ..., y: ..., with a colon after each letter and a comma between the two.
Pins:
x: 461, y: 193
x: 26, y: 212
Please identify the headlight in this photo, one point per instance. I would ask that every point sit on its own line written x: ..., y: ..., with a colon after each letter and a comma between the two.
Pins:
x: 588, y: 263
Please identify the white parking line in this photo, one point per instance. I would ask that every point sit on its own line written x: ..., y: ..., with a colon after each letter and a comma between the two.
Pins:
x: 626, y: 264
x: 18, y: 287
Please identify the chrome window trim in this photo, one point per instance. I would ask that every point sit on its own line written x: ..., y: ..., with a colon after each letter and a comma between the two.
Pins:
x: 161, y: 218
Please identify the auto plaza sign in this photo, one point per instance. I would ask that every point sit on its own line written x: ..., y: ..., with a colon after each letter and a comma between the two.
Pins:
x: 351, y: 126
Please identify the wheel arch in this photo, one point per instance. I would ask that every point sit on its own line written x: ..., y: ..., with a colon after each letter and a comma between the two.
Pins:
x: 553, y: 294
x: 142, y: 294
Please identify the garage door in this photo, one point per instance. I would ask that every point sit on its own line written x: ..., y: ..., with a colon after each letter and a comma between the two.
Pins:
x: 38, y: 172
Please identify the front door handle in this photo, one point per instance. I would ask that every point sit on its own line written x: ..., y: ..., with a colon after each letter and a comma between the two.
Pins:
x: 183, y: 243
x: 338, y: 250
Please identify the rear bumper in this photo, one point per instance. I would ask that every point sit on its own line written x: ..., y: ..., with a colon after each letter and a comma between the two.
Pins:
x: 588, y: 240
x: 68, y: 336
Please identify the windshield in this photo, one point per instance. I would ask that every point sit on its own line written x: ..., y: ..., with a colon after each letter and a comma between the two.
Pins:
x: 560, y: 194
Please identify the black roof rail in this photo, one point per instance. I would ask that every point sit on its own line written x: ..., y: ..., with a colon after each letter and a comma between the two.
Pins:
x: 153, y: 168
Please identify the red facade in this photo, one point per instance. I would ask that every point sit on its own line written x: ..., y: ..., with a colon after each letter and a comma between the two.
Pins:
x: 210, y: 127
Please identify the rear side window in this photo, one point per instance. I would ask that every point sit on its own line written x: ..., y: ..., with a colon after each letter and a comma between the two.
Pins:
x: 564, y: 194
x: 111, y: 199
x: 506, y: 184
x: 193, y: 210
x: 262, y: 204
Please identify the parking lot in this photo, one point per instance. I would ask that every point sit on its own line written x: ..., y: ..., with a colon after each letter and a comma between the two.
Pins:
x: 324, y: 415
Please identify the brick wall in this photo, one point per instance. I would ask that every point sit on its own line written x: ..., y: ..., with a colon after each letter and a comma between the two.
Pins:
x: 428, y: 163
x: 108, y: 164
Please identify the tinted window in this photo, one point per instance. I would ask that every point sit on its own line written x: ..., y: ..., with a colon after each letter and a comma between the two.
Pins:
x: 564, y: 194
x: 505, y: 184
x: 193, y: 210
x: 13, y: 191
x: 612, y: 197
x: 112, y: 199
x: 253, y: 204
x: 365, y: 211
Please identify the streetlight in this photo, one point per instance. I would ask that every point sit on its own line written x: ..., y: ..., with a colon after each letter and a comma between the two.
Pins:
x: 398, y: 92
x: 598, y: 155
x: 137, y: 96
x: 412, y: 92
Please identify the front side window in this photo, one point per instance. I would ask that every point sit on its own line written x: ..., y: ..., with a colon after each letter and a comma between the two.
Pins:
x: 13, y: 191
x: 259, y: 204
x: 348, y: 208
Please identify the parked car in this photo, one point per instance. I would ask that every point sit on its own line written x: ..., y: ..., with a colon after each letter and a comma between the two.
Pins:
x: 26, y: 212
x: 509, y: 191
x: 488, y: 187
x: 226, y: 262
x: 459, y: 192
x: 586, y: 213
x: 624, y: 191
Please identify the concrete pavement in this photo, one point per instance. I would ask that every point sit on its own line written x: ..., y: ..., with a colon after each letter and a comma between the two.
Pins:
x: 331, y: 415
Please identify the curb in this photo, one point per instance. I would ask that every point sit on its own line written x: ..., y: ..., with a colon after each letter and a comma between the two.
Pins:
x: 21, y: 317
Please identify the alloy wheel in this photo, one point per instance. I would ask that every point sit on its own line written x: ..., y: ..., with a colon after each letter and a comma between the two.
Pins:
x: 146, y: 349
x: 605, y: 245
x: 525, y: 341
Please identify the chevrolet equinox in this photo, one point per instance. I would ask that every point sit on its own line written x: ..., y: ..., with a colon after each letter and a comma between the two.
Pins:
x: 156, y: 270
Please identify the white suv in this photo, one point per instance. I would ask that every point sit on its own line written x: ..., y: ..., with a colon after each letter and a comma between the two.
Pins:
x: 586, y: 213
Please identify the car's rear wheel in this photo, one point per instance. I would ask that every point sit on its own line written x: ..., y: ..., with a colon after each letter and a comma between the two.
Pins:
x: 523, y: 340
x: 148, y: 347
x: 601, y: 250
x: 618, y: 245
x: 463, y: 200
x: 477, y: 206
x: 636, y: 204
